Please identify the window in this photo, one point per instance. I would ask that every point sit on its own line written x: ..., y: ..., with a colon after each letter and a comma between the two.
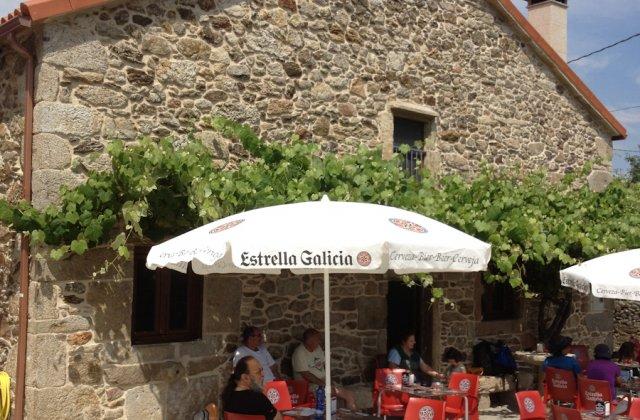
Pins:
x: 499, y: 302
x: 167, y: 305
x: 410, y: 132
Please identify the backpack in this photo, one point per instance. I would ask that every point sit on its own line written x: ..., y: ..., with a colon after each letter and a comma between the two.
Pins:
x: 483, y: 356
x: 495, y: 359
x: 504, y: 363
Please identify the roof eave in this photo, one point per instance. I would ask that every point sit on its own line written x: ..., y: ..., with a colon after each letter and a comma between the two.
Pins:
x: 14, y: 25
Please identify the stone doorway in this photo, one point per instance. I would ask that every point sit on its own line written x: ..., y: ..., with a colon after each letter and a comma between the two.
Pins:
x: 409, y: 308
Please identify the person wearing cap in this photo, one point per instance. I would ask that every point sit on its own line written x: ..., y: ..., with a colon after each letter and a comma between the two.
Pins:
x: 559, y: 347
x: 603, y: 369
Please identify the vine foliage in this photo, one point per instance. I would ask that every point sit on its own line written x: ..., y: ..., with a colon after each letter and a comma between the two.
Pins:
x: 156, y: 190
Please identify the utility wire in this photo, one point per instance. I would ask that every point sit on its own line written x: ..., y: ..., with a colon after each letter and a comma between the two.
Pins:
x: 604, y: 48
x: 626, y: 151
x: 624, y: 109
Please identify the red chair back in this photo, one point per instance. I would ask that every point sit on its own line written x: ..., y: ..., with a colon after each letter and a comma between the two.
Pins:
x: 634, y: 410
x: 236, y: 416
x: 387, y: 376
x: 592, y: 391
x: 561, y: 385
x: 391, y: 402
x: 298, y: 391
x: 463, y: 382
x: 566, y: 413
x: 425, y: 409
x: 530, y: 405
x: 582, y: 354
x: 278, y: 393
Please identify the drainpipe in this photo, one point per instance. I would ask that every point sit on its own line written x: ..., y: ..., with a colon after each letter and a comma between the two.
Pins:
x: 23, y: 314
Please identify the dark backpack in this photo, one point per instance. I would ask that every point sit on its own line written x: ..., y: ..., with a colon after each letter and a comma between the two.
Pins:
x: 483, y: 356
x: 504, y: 363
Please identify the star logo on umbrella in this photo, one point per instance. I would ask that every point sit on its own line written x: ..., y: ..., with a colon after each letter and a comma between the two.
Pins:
x: 363, y: 258
x: 407, y: 225
x: 226, y: 226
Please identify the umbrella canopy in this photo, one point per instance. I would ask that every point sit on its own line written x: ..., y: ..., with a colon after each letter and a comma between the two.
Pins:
x: 323, y: 237
x: 314, y: 237
x: 615, y: 276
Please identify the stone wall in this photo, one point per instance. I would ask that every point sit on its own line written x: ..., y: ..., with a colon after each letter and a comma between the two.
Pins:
x: 326, y: 70
x: 81, y: 361
x: 286, y: 306
x: 626, y: 321
x: 11, y: 131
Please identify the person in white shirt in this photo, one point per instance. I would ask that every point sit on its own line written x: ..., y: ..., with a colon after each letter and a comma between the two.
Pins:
x: 253, y: 345
x: 308, y: 363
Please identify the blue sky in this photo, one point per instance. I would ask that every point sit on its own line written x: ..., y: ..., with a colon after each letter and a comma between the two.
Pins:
x: 613, y: 75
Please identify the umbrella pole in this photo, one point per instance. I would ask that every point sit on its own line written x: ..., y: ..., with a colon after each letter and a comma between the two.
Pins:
x: 327, y: 346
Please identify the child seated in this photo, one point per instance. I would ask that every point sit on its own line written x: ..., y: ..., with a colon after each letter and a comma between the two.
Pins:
x: 454, y: 359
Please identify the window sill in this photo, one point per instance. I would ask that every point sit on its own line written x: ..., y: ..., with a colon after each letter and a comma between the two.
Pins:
x: 512, y: 326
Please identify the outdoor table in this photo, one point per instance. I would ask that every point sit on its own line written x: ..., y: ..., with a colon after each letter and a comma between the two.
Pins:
x: 631, y: 387
x: 628, y: 367
x: 426, y: 392
x: 341, y: 414
x: 534, y: 359
x: 591, y: 415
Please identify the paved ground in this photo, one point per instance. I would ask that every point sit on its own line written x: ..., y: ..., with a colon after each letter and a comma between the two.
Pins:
x: 495, y: 413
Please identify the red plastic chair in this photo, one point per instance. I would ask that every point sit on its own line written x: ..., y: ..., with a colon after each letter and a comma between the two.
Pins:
x: 531, y: 405
x: 423, y: 408
x: 236, y: 416
x: 565, y: 413
x: 391, y: 403
x: 582, y: 355
x: 561, y: 387
x: 278, y: 393
x: 455, y: 405
x: 299, y: 393
x: 634, y: 409
x: 592, y: 391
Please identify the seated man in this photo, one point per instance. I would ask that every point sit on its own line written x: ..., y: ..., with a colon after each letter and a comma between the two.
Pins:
x: 308, y: 363
x: 243, y: 394
x: 253, y: 345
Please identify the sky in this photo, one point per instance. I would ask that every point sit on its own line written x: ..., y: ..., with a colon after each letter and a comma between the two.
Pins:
x: 613, y: 75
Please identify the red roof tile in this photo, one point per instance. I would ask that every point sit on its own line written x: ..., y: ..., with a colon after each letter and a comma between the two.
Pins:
x: 39, y: 10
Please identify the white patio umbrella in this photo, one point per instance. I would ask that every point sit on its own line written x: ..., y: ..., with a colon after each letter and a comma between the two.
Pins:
x: 323, y: 237
x: 615, y: 276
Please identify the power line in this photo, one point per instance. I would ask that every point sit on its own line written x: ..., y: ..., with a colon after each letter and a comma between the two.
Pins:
x: 626, y: 151
x: 624, y: 109
x: 604, y: 48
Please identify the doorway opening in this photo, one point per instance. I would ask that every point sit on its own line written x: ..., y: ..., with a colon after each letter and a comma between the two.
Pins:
x: 409, y: 309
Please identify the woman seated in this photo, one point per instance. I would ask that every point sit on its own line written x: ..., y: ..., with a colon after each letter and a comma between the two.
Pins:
x: 603, y: 369
x: 243, y: 393
x: 454, y: 359
x: 559, y: 348
x: 627, y: 356
x: 403, y: 356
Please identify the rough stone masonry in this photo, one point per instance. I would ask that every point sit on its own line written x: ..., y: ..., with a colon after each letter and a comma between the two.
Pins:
x: 327, y: 70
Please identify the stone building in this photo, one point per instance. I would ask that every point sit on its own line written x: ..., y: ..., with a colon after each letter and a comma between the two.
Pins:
x: 471, y: 78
